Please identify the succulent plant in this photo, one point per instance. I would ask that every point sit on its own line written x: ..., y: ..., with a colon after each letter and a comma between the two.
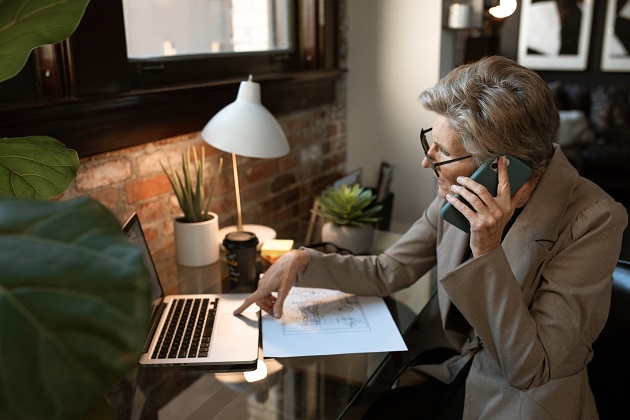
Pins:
x: 189, y: 186
x: 348, y: 206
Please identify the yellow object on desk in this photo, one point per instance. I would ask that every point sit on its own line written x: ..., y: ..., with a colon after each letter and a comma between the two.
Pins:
x: 272, y: 249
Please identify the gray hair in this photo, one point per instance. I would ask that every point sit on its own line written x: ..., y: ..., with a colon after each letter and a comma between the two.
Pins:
x: 498, y: 106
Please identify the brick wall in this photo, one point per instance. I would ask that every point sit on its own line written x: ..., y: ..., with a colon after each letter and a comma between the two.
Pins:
x: 275, y: 192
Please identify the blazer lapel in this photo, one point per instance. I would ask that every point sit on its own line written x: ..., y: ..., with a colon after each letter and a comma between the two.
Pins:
x: 528, y: 242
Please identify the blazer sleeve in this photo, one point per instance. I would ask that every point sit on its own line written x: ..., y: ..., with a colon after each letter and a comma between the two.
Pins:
x: 547, y: 333
x: 396, y: 268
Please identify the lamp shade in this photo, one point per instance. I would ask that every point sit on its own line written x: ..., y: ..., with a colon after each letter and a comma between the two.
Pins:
x: 245, y: 127
x: 504, y: 9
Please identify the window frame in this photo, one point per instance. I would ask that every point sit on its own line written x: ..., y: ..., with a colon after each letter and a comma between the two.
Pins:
x: 90, y: 101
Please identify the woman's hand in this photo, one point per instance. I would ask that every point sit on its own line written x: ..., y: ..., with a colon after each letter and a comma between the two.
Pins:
x: 279, y: 278
x: 491, y: 214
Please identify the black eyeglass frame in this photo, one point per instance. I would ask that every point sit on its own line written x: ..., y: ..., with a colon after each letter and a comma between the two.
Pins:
x: 425, y: 148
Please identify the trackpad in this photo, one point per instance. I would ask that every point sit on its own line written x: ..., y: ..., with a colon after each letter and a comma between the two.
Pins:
x: 230, y: 324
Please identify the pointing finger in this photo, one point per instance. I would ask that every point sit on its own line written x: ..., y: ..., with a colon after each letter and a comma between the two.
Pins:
x: 248, y: 302
x: 241, y: 308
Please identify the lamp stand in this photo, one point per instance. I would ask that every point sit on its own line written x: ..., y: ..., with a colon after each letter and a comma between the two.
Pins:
x: 263, y: 233
x: 237, y: 190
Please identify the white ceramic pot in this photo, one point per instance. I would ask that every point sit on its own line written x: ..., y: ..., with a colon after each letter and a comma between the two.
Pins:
x: 197, y: 244
x: 355, y: 239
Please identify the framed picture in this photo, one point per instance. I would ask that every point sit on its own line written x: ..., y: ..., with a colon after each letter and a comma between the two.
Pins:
x: 616, y: 45
x: 554, y: 39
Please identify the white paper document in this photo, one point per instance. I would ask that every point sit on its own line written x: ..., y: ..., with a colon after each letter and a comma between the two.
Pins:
x: 323, y: 322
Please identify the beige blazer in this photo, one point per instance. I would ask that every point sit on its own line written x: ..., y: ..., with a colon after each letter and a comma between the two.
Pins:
x: 530, y: 310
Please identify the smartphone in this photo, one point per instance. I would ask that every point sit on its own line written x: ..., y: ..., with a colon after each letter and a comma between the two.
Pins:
x: 488, y: 176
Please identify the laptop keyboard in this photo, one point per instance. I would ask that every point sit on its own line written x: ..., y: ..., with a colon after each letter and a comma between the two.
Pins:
x: 187, y: 330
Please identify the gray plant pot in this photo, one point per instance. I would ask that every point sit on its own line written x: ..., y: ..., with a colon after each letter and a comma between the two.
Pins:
x: 355, y: 239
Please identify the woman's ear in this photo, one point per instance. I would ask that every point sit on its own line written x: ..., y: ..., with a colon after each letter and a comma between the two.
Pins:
x: 524, y: 193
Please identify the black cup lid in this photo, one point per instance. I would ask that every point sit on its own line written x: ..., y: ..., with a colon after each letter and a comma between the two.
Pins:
x: 240, y: 239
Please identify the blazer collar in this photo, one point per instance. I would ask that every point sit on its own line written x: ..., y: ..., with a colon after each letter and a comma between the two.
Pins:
x: 539, y: 219
x: 528, y: 242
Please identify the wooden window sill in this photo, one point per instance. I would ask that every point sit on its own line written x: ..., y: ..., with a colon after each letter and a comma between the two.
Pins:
x: 94, y: 125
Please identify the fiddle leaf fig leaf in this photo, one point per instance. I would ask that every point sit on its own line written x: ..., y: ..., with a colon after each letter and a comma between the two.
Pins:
x: 74, y: 306
x: 27, y: 24
x: 36, y: 167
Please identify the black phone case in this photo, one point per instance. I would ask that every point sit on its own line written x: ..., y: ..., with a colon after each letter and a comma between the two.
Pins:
x: 487, y: 175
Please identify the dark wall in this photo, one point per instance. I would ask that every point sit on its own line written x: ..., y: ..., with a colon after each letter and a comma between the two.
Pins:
x: 592, y: 75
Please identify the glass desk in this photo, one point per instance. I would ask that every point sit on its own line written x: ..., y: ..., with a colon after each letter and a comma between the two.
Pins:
x: 318, y: 387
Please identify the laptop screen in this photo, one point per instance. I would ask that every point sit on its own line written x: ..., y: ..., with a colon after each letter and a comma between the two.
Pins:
x: 133, y: 231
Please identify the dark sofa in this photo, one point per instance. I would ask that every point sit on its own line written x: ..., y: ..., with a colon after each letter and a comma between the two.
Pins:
x: 595, y: 133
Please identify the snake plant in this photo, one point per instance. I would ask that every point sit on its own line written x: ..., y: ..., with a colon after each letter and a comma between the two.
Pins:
x: 189, y: 185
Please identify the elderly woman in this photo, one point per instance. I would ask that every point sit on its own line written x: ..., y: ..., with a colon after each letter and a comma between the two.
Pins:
x: 525, y: 293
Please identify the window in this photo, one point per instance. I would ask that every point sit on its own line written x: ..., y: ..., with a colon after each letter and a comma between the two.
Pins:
x: 103, y: 89
x: 207, y: 40
x: 204, y: 27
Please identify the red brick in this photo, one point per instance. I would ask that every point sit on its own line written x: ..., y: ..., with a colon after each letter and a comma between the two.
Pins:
x: 102, y: 174
x: 145, y: 189
x: 132, y: 180
x: 110, y: 198
x: 149, y: 164
x: 155, y: 209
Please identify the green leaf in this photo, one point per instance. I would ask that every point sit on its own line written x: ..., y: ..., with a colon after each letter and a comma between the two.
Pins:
x: 74, y: 306
x: 36, y: 167
x: 27, y: 24
x: 190, y: 189
x: 348, y: 206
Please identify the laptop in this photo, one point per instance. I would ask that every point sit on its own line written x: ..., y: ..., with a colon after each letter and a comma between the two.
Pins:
x: 196, y: 329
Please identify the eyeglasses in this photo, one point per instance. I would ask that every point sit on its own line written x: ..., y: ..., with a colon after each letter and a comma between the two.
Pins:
x: 425, y: 147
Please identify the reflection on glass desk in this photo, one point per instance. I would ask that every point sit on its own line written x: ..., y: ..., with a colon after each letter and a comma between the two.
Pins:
x: 318, y: 387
